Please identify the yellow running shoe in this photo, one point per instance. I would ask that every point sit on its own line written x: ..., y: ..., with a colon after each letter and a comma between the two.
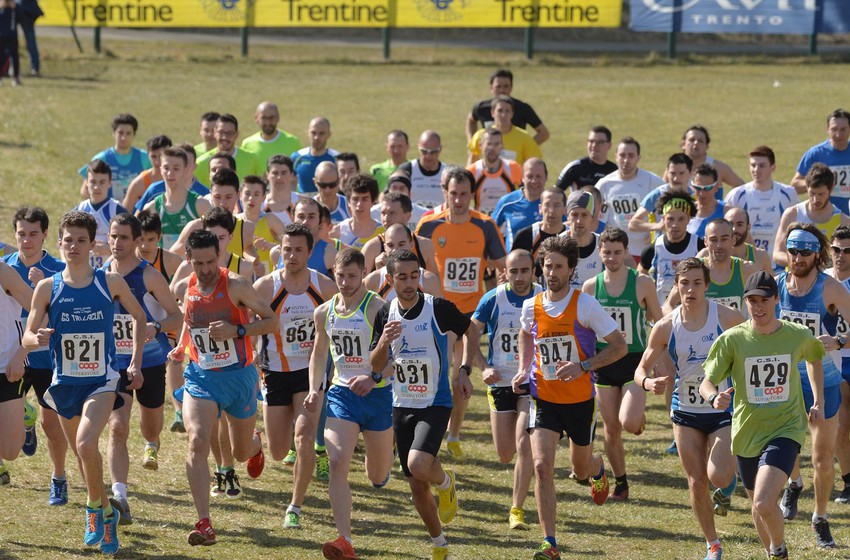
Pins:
x: 455, y: 449
x: 516, y: 520
x: 441, y: 553
x: 447, y: 508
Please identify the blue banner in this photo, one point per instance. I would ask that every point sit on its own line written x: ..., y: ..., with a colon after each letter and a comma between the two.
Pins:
x: 741, y: 16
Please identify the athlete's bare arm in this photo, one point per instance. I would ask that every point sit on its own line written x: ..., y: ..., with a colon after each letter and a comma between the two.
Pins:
x: 657, y: 344
x: 183, y: 272
x: 489, y: 374
x: 780, y: 255
x: 647, y: 298
x: 426, y: 251
x: 156, y: 285
x: 171, y: 261
x: 471, y: 126
x: 431, y: 284
x: 327, y: 286
x: 525, y: 348
x: 135, y: 191
x: 318, y: 358
x: 370, y: 251
x: 15, y: 286
x: 727, y: 175
x: 121, y: 291
x: 542, y: 133
x: 815, y: 373
x: 799, y: 183
x: 179, y: 246
x: 242, y: 293
x: 836, y: 299
x: 640, y: 222
x: 373, y: 281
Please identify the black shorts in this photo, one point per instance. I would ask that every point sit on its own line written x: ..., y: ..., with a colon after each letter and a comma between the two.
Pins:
x: 577, y: 420
x: 38, y: 379
x: 152, y: 393
x: 780, y: 453
x: 421, y: 429
x: 620, y: 373
x: 706, y: 423
x: 10, y: 391
x: 503, y: 399
x: 279, y: 387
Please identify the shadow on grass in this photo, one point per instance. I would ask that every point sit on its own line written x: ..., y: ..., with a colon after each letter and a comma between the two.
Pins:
x: 16, y: 146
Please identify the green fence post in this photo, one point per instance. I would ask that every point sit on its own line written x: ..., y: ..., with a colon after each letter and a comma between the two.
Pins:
x: 97, y: 39
x: 813, y: 44
x: 245, y: 41
x: 671, y: 45
x: 529, y: 43
x: 385, y: 36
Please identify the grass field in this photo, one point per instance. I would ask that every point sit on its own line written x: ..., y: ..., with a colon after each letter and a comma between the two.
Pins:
x: 51, y: 126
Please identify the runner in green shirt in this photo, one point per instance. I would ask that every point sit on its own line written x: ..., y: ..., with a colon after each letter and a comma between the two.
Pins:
x: 397, y: 147
x: 270, y: 141
x: 769, y: 418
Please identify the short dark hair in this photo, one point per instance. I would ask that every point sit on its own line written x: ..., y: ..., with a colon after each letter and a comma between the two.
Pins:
x: 457, y: 174
x: 502, y: 73
x: 31, y: 214
x: 350, y: 255
x: 349, y: 156
x: 719, y: 222
x: 159, y: 142
x: 175, y: 152
x: 125, y: 118
x: 229, y: 119
x: 201, y: 239
x: 689, y: 264
x: 599, y: 129
x: 614, y: 235
x: 401, y: 198
x: 698, y: 128
x: 820, y: 175
x: 557, y: 192
x: 763, y: 151
x: 280, y: 159
x: 225, y: 178
x: 841, y: 232
x: 221, y: 217
x: 210, y: 116
x: 565, y: 246
x: 681, y: 159
x: 189, y: 149
x: 403, y: 227
x: 362, y: 183
x: 231, y: 161
x: 75, y: 218
x: 632, y: 141
x: 838, y: 114
x: 397, y: 132
x: 671, y: 194
x: 400, y: 256
x: 99, y: 166
x: 126, y: 219
x: 707, y: 170
x: 297, y: 229
x: 255, y: 180
x: 151, y: 222
x: 502, y: 99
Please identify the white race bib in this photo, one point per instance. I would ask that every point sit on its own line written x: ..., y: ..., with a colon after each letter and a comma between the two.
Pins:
x: 623, y: 317
x: 95, y: 261
x: 729, y: 301
x: 298, y: 337
x: 461, y: 275
x: 842, y: 328
x: 83, y: 355
x: 349, y: 349
x: 767, y: 378
x: 122, y: 330
x: 842, y: 180
x: 808, y: 320
x: 415, y: 379
x: 689, y: 396
x: 213, y: 354
x: 554, y: 349
x: 623, y: 206
x: 505, y: 351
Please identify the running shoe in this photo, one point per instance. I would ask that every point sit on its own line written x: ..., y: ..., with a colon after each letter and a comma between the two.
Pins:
x: 150, y: 458
x: 233, y: 490
x: 583, y: 482
x: 440, y: 553
x: 289, y: 460
x: 339, y: 549
x: 516, y: 520
x: 384, y: 483
x: 447, y: 507
x: 94, y: 526
x: 715, y: 552
x: 599, y: 489
x: 123, y: 508
x: 217, y: 488
x: 455, y: 450
x: 547, y: 552
x: 177, y: 423
x: 722, y: 503
x: 292, y: 520
x: 110, y: 544
x: 781, y: 556
x: 673, y: 449
x: 844, y: 497
x: 323, y: 467
x: 5, y: 478
x: 620, y: 493
x: 824, y: 535
x: 255, y: 464
x: 31, y: 437
x: 203, y: 533
x: 788, y: 505
x: 58, y: 492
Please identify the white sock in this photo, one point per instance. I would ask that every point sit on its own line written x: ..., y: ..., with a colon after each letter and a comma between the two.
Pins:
x: 453, y: 438
x: 294, y: 509
x: 119, y: 490
x: 798, y: 482
x: 154, y: 445
x: 440, y: 540
x: 816, y: 517
x: 446, y: 483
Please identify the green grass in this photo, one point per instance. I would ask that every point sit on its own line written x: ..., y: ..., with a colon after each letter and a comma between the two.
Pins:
x: 51, y: 126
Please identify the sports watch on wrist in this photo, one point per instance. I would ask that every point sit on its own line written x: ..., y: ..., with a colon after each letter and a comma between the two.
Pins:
x: 466, y: 369
x: 377, y: 377
x: 585, y: 365
x: 240, y: 331
x: 841, y: 340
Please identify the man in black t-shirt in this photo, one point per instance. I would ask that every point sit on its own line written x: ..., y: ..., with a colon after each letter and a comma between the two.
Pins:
x: 501, y: 83
x: 588, y: 170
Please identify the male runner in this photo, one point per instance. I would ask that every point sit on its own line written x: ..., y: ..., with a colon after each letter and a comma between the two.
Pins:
x: 220, y: 376
x: 270, y: 140
x: 426, y: 171
x: 260, y: 230
x: 502, y: 83
x: 207, y: 132
x: 557, y: 354
x: 295, y: 291
x: 630, y: 299
x: 395, y: 210
x: 839, y: 246
x: 518, y: 145
x: 399, y: 183
x: 520, y: 209
x: 327, y: 181
x: 355, y: 231
x: 769, y: 415
x: 580, y: 211
x: 415, y: 333
x: 589, y: 170
x: 834, y: 154
x: 702, y: 434
x: 553, y: 207
x: 695, y: 143
x: 77, y: 307
x: 678, y: 175
x: 705, y: 183
x: 100, y: 206
x: 499, y: 313
x: 358, y: 400
x: 494, y: 175
x: 397, y: 148
x: 347, y: 165
x: 305, y: 160
x: 226, y: 134
x: 186, y: 178
x: 146, y: 178
x: 740, y: 221
x: 281, y: 179
x: 125, y: 161
x: 146, y: 284
x: 397, y: 237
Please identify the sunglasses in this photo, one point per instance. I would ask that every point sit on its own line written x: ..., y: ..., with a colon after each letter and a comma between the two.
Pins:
x: 703, y: 187
x: 802, y: 252
x: 429, y: 151
x: 839, y: 250
x: 327, y: 185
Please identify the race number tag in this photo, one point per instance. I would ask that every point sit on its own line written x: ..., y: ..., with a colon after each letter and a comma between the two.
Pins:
x: 213, y: 353
x: 623, y: 317
x: 552, y: 350
x: 83, y: 355
x: 348, y: 349
x: 506, y: 352
x: 415, y: 379
x: 842, y: 180
x: 730, y: 301
x: 623, y: 206
x: 461, y: 274
x: 95, y: 261
x: 298, y: 337
x: 689, y: 392
x: 122, y: 330
x: 842, y: 327
x: 767, y: 378
x: 809, y: 320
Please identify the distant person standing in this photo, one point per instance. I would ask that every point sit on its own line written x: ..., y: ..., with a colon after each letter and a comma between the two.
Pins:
x: 28, y: 12
x: 125, y: 161
x: 589, y: 170
x: 502, y: 83
x: 9, y: 41
x: 397, y: 148
x: 307, y: 159
x: 426, y: 171
x: 226, y: 133
x: 270, y: 140
x: 834, y: 153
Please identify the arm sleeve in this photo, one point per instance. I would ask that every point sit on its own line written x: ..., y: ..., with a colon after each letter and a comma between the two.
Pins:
x: 568, y: 176
x: 718, y: 364
x: 648, y: 202
x: 493, y: 239
x: 485, y: 307
x: 449, y: 318
x: 805, y: 163
x: 378, y: 325
x: 733, y: 196
x: 592, y: 315
x: 647, y: 256
x: 526, y: 318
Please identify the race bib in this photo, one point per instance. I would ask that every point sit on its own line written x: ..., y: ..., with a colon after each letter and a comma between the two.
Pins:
x: 122, y: 331
x: 83, y: 355
x: 729, y: 301
x: 842, y: 180
x: 415, y: 379
x: 169, y: 239
x: 623, y: 206
x: 552, y: 350
x: 767, y: 378
x: 213, y: 354
x: 808, y: 320
x: 95, y: 261
x: 842, y: 328
x: 461, y: 275
x: 348, y: 349
x: 623, y: 317
x: 506, y: 352
x: 298, y: 337
x: 689, y: 392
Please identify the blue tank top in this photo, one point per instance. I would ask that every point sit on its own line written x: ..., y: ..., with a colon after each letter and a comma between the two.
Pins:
x: 49, y: 265
x: 810, y: 311
x: 156, y: 351
x: 82, y: 346
x: 317, y: 257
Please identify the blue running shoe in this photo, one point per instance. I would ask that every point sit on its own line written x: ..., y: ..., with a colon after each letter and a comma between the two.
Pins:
x: 94, y: 526
x: 715, y: 552
x: 109, y: 544
x: 673, y: 449
x: 58, y: 492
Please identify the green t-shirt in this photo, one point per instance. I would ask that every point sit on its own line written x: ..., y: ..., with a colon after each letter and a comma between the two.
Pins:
x: 768, y: 400
x: 382, y: 171
x: 247, y: 163
x: 284, y: 144
x: 626, y: 310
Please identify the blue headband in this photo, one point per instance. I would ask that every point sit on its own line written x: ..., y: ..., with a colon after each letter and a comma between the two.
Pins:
x: 803, y: 240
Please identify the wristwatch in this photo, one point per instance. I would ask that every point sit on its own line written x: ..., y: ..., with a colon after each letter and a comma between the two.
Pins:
x: 842, y: 342
x: 377, y: 377
x: 240, y: 331
x: 711, y: 399
x: 157, y: 326
x: 466, y: 369
x: 585, y: 365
